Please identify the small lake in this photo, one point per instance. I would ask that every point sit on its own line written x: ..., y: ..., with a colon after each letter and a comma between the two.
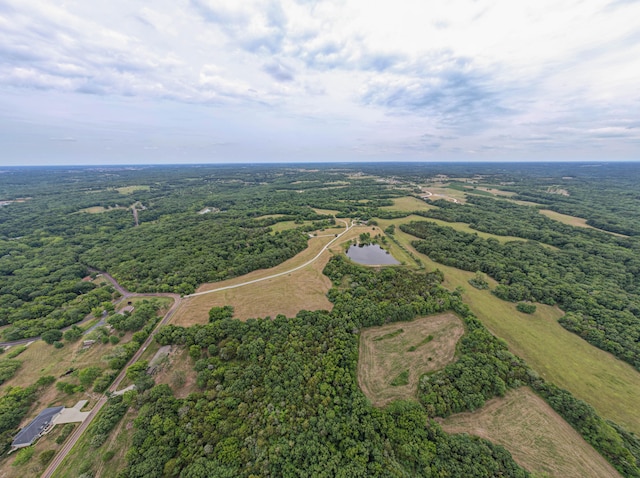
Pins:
x: 371, y: 255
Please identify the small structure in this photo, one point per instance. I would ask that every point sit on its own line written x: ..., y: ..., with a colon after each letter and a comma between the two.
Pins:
x: 38, y: 427
x: 87, y: 343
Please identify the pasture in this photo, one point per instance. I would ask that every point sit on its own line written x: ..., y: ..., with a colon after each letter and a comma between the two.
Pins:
x: 611, y: 386
x: 392, y: 357
x: 535, y: 435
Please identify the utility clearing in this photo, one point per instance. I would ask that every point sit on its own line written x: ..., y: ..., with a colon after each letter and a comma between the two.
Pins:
x: 537, y: 437
x: 393, y: 357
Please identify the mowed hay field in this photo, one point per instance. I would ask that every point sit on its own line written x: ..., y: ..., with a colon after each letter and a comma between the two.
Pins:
x: 409, y: 203
x: 304, y: 289
x: 573, y: 221
x: 537, y: 437
x: 611, y: 386
x: 385, y: 353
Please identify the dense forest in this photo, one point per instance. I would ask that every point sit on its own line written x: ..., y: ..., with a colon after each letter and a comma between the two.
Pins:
x: 279, y: 396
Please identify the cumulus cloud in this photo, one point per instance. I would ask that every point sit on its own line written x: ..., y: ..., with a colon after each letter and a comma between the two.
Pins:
x: 371, y: 77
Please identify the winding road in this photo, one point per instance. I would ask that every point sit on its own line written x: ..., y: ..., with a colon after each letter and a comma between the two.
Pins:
x: 279, y: 274
x: 177, y: 301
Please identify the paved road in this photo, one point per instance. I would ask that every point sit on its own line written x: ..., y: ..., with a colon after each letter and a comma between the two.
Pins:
x: 279, y: 274
x: 71, y: 441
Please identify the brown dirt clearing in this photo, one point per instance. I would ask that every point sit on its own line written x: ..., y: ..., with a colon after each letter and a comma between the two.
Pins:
x: 178, y: 372
x: 381, y: 361
x: 537, y: 437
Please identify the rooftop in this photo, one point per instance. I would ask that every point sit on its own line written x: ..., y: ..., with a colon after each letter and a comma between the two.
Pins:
x: 34, y: 429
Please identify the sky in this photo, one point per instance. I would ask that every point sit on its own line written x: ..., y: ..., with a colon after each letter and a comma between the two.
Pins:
x: 206, y: 81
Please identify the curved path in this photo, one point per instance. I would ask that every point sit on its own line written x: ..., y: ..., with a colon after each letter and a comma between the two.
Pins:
x: 279, y: 274
x: 177, y: 300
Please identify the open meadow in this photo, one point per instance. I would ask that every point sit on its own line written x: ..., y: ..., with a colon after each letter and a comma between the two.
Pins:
x: 303, y: 289
x: 535, y: 435
x: 611, y: 386
x: 392, y: 357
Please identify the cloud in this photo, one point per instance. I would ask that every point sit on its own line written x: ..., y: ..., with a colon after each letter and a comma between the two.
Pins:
x: 255, y: 26
x: 482, y: 76
x: 445, y: 87
x: 278, y: 71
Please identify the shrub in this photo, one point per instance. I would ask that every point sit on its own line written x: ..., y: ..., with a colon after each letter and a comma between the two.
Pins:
x: 108, y: 455
x: 15, y: 351
x: 51, y: 336
x: 479, y: 281
x: 46, y: 456
x: 23, y: 456
x: 526, y: 308
x: 64, y: 434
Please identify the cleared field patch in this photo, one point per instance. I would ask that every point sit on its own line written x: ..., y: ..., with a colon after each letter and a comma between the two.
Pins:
x: 99, y: 209
x: 393, y: 357
x: 408, y: 203
x: 304, y: 289
x: 447, y: 194
x: 497, y: 192
x: 537, y: 437
x: 573, y: 221
x: 132, y: 189
x: 178, y: 372
x: 286, y: 225
x: 328, y: 212
x: 268, y: 216
x: 41, y: 359
x: 611, y: 386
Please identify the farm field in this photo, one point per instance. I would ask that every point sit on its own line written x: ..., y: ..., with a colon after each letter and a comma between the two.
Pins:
x: 537, y: 437
x: 304, y: 289
x: 423, y: 345
x: 573, y: 221
x: 458, y: 226
x: 597, y: 377
x: 132, y: 189
x: 408, y: 203
x: 99, y: 209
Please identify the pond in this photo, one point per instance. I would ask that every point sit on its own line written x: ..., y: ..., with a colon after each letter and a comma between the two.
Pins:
x: 371, y: 255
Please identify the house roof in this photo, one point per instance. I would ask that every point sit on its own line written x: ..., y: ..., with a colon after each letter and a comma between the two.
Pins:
x: 33, y: 430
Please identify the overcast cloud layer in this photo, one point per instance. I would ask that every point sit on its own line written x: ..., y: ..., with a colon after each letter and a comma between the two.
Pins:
x: 97, y: 82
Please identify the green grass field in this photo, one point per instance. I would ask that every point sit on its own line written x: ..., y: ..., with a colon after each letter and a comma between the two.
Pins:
x: 393, y: 357
x: 131, y: 189
x: 611, y: 386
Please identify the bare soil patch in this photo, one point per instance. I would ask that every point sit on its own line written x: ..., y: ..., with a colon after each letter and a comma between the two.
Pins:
x: 385, y: 353
x: 537, y: 437
x: 178, y: 372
